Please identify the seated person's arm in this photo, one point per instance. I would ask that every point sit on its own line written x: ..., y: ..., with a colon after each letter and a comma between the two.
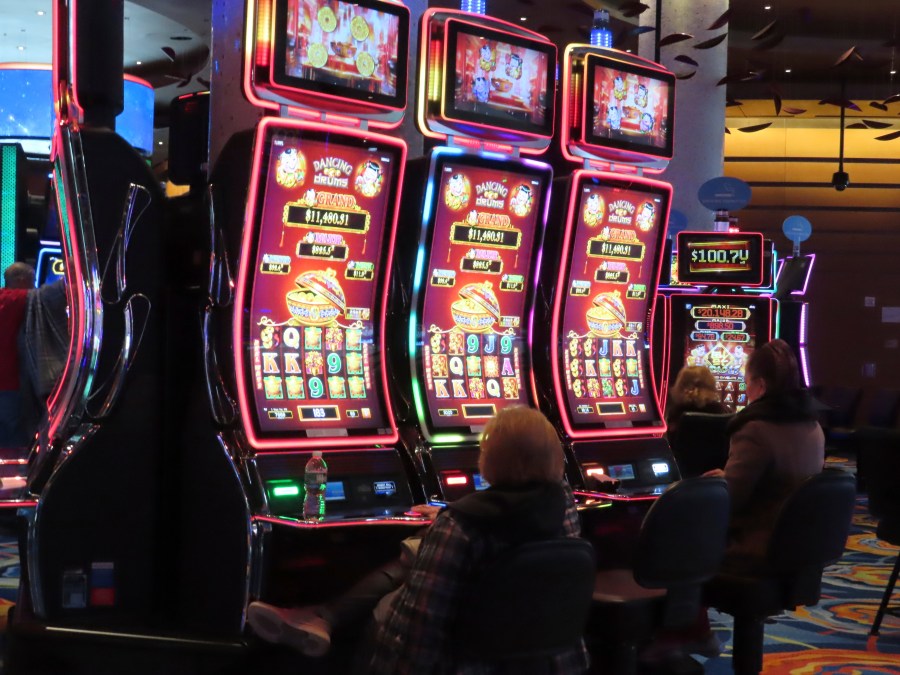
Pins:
x: 748, y: 459
x: 419, y: 630
x: 571, y: 521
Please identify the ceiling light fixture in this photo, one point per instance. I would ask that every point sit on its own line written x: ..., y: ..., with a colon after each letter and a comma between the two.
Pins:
x: 787, y: 70
x: 137, y: 63
x: 767, y: 7
x: 523, y: 18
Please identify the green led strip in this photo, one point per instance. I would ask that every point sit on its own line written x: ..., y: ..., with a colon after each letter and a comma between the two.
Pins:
x: 8, y: 205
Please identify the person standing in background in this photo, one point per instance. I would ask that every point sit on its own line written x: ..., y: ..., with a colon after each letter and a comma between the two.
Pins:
x: 18, y: 279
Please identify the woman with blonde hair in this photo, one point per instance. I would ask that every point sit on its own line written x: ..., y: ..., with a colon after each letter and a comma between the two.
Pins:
x: 694, y: 391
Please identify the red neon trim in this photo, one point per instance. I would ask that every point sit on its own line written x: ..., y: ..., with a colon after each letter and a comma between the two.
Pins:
x: 255, y: 441
x: 456, y: 480
x: 595, y: 471
x: 390, y: 521
x: 570, y: 221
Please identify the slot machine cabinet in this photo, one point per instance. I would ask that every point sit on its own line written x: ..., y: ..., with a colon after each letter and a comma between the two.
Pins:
x: 793, y: 311
x: 722, y: 320
x: 468, y: 251
x: 596, y: 314
x: 294, y: 358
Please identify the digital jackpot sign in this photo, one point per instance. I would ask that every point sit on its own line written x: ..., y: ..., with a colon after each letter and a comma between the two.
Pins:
x: 311, y: 350
x: 720, y: 258
x: 609, y: 285
x: 476, y: 286
x: 720, y: 333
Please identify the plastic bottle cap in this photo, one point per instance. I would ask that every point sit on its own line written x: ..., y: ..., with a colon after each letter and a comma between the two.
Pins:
x: 317, y: 453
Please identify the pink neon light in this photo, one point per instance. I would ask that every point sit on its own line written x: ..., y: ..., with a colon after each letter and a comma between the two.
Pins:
x: 456, y: 480
x: 596, y: 471
x: 241, y: 301
x: 559, y: 391
x: 391, y: 521
x: 803, y: 322
x: 804, y: 364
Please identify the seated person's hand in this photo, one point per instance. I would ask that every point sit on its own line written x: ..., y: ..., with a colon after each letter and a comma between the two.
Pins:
x: 715, y: 473
x: 429, y: 511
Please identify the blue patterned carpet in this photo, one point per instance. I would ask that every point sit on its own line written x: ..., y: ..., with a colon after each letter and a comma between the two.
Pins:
x: 833, y: 637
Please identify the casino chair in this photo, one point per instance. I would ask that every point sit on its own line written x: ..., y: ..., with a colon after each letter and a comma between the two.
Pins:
x: 810, y: 533
x: 839, y: 418
x: 680, y: 546
x: 880, y: 452
x: 701, y: 443
x: 528, y: 605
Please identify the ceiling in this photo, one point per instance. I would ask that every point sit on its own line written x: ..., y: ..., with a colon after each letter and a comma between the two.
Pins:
x: 788, y: 50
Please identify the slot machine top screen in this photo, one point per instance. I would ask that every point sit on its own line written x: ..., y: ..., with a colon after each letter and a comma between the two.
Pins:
x: 312, y: 360
x: 628, y: 107
x: 354, y: 50
x: 485, y: 232
x: 498, y: 79
x: 603, y: 360
x: 719, y: 332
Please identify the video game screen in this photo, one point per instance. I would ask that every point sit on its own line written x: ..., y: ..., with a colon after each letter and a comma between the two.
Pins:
x: 310, y: 337
x: 353, y: 49
x: 630, y: 107
x: 498, y: 79
x: 602, y: 355
x: 720, y: 333
x: 720, y: 258
x: 478, y: 281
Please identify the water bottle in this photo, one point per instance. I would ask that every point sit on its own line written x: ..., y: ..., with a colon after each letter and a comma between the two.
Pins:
x: 315, y: 475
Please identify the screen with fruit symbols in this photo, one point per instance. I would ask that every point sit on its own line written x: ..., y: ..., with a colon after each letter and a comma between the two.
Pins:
x: 615, y: 248
x: 312, y: 358
x: 356, y: 50
x: 475, y: 292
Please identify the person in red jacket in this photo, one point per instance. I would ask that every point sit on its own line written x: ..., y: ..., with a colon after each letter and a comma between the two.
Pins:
x: 18, y: 278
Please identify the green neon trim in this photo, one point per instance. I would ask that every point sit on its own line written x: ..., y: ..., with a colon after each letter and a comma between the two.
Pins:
x: 439, y: 439
x: 8, y: 205
x: 285, y: 491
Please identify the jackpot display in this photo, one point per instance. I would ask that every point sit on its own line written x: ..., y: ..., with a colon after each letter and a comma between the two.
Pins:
x: 720, y: 333
x: 630, y: 106
x: 484, y: 238
x: 349, y: 49
x: 498, y: 79
x: 609, y: 285
x: 311, y: 331
x: 720, y: 258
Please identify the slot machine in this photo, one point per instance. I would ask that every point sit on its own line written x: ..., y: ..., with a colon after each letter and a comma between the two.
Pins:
x: 791, y: 283
x: 596, y: 309
x: 721, y: 309
x: 306, y: 323
x: 475, y: 211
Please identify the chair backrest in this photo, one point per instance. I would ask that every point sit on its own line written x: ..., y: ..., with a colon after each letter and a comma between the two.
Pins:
x: 843, y: 403
x: 682, y: 539
x: 879, y: 461
x: 811, y: 531
x: 701, y: 443
x: 531, y: 601
x: 884, y: 409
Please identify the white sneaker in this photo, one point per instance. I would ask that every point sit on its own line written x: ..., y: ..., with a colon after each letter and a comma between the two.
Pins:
x: 299, y: 628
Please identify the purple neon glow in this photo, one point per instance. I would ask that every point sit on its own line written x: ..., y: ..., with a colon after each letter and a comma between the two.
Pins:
x: 812, y: 261
x: 804, y: 365
x: 803, y: 323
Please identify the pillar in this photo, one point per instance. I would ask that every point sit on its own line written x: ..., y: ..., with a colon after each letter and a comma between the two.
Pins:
x: 699, y: 103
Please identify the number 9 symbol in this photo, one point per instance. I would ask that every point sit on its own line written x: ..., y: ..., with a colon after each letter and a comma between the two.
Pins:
x: 334, y: 363
x: 472, y: 344
x: 506, y: 344
x: 315, y: 387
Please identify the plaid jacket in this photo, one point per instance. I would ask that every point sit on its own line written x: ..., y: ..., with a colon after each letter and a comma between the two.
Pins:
x: 417, y: 637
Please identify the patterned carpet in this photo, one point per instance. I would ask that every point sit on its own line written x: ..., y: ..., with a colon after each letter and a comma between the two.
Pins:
x: 833, y: 637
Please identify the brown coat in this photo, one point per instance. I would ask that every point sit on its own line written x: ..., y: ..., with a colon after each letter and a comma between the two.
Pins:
x: 766, y: 462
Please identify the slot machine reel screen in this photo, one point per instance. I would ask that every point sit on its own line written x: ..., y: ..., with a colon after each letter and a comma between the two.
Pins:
x: 311, y: 354
x: 485, y: 233
x: 719, y: 333
x: 603, y: 361
x: 720, y: 258
x: 498, y: 79
x: 354, y: 50
x: 628, y: 107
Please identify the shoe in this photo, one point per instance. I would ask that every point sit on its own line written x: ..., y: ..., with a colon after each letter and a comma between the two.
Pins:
x: 300, y: 628
x: 708, y: 646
